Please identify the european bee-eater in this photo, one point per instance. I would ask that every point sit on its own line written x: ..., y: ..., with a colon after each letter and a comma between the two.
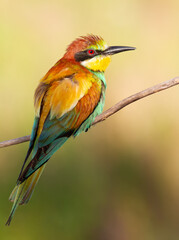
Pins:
x: 67, y: 100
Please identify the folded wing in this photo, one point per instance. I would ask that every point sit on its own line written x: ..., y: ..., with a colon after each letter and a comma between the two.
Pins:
x: 61, y: 107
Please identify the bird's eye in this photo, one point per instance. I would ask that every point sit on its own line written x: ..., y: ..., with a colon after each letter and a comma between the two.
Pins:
x: 91, y: 52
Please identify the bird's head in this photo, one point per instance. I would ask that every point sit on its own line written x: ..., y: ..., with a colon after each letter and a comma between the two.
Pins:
x: 92, y: 52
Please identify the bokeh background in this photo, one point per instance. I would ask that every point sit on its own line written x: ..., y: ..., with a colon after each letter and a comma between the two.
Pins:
x: 120, y: 180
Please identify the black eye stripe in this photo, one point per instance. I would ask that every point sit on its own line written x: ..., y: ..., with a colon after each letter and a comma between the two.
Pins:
x: 84, y: 55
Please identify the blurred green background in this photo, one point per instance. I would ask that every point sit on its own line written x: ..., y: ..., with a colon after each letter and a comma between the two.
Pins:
x: 121, y: 179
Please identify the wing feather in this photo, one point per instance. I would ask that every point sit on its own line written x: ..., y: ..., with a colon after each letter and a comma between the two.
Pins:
x: 62, y: 106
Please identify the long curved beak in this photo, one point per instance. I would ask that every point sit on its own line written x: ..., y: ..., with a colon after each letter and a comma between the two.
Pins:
x: 117, y: 49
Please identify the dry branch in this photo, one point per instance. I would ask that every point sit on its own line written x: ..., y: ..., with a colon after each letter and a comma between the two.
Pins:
x: 118, y: 106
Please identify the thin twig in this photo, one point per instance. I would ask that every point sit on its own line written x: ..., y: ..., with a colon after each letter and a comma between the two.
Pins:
x: 118, y: 106
x: 137, y: 96
x: 14, y: 141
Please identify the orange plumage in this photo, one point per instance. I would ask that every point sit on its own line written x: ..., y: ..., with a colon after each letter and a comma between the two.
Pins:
x: 66, y: 101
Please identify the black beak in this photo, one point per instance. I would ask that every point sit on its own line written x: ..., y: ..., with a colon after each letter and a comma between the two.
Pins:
x: 117, y: 49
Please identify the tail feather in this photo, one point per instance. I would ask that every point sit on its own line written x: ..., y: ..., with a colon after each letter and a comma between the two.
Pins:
x: 13, y: 193
x: 18, y: 192
x: 22, y: 193
x: 30, y: 185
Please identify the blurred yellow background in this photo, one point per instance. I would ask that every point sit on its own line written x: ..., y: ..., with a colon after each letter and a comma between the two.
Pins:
x: 120, y: 180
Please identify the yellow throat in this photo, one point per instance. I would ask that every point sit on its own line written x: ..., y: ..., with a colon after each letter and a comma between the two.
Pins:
x: 98, y: 63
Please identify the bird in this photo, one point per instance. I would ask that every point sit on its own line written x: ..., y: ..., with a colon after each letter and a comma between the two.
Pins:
x: 66, y: 101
